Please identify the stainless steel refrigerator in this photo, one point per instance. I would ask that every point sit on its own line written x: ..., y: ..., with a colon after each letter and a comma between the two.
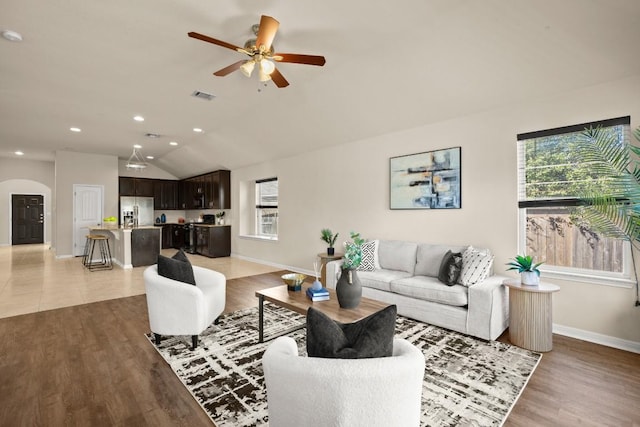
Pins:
x: 136, y: 211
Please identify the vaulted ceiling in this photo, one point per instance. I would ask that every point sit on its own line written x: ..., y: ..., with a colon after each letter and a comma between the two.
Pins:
x: 390, y: 65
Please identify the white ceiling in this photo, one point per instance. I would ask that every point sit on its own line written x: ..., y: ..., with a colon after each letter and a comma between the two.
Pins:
x: 390, y: 65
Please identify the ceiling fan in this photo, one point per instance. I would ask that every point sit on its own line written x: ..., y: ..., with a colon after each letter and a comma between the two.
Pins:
x: 261, y: 53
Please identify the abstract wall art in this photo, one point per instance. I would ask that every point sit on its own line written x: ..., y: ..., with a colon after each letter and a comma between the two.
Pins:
x: 429, y: 180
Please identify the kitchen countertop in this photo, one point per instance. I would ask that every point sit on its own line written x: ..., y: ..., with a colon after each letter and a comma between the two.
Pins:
x: 103, y: 228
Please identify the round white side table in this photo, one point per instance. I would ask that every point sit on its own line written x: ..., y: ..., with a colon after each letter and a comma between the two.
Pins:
x: 530, y: 315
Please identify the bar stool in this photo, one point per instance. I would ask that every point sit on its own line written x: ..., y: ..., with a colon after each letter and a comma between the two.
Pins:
x: 105, y: 253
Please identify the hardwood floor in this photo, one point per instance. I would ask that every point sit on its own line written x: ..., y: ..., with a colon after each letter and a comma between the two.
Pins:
x: 90, y: 364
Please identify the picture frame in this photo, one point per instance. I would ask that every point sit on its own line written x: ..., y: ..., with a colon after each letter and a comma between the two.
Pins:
x: 428, y: 180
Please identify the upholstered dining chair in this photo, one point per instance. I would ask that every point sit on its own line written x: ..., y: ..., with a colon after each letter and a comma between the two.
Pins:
x: 311, y: 391
x: 178, y: 308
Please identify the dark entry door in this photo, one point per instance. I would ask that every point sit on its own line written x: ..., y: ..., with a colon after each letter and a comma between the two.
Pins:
x: 27, y: 225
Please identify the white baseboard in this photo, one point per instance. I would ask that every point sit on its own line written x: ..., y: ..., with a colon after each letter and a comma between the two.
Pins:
x: 596, y: 338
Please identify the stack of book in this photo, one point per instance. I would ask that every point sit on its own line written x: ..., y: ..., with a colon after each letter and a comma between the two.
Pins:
x: 319, y: 295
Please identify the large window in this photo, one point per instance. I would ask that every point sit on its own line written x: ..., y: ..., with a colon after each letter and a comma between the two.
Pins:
x: 550, y: 180
x: 267, y: 207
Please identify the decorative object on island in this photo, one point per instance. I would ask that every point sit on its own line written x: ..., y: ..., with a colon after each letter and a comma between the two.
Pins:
x: 220, y: 217
x: 428, y: 180
x: 348, y: 288
x: 294, y: 281
x: 328, y: 236
x: 529, y: 273
x: 317, y: 284
x: 110, y: 222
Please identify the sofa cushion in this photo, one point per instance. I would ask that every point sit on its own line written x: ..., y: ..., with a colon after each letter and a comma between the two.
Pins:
x: 429, y: 257
x: 380, y: 279
x: 476, y: 266
x: 397, y: 255
x: 431, y: 289
x: 369, y: 256
x: 450, y: 268
x: 368, y: 337
x: 176, y: 268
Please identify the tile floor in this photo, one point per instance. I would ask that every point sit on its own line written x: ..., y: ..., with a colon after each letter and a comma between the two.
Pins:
x: 32, y: 279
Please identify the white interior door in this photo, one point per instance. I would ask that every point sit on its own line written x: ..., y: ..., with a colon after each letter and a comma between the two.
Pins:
x: 88, y: 211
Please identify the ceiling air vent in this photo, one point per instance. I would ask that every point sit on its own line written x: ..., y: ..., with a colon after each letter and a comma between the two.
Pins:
x: 152, y: 135
x: 203, y: 95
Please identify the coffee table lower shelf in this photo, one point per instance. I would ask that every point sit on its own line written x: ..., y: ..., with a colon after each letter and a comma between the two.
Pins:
x: 300, y: 303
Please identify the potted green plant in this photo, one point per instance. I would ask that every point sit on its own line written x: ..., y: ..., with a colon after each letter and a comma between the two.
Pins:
x: 529, y: 273
x: 327, y: 236
x: 612, y: 209
x: 220, y: 217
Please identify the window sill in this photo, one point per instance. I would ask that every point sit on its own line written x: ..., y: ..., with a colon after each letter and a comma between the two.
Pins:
x: 256, y: 237
x: 618, y: 282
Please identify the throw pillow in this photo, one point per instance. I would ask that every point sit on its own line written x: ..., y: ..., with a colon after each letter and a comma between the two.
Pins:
x: 369, y: 256
x: 450, y: 268
x: 476, y: 266
x: 366, y: 338
x: 177, y: 268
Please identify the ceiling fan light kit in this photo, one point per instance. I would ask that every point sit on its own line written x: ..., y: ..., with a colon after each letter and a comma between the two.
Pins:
x: 260, y: 51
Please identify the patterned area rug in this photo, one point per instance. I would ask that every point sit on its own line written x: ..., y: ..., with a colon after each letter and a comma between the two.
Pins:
x: 467, y: 381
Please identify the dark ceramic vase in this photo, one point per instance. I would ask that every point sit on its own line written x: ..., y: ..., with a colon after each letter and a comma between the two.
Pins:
x: 331, y: 251
x: 349, y: 289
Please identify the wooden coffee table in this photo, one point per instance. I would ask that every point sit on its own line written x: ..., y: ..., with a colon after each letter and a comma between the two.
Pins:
x: 300, y: 303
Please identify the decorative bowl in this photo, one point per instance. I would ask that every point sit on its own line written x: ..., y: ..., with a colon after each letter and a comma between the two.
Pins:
x: 294, y: 281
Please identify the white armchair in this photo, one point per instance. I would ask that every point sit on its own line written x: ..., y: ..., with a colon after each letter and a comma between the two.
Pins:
x: 177, y: 308
x: 310, y: 391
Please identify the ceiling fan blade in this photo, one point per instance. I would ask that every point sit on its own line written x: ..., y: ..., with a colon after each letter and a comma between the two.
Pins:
x: 230, y: 69
x: 279, y: 79
x: 212, y: 40
x: 299, y: 59
x: 266, y: 33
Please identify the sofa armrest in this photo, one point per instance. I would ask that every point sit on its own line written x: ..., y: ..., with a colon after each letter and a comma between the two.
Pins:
x: 488, y: 314
x: 332, y: 273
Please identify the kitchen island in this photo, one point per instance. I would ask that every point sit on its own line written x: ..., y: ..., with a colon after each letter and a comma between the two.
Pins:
x: 132, y: 247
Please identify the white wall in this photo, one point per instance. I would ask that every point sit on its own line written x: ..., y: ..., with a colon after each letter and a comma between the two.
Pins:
x: 23, y: 176
x: 347, y: 188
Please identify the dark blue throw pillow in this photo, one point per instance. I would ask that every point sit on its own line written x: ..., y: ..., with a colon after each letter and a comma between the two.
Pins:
x: 369, y: 337
x: 177, y: 268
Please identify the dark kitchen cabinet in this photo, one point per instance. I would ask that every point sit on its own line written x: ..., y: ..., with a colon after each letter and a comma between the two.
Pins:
x: 218, y: 190
x: 142, y: 187
x: 165, y: 194
x: 145, y: 246
x: 213, y: 241
x: 127, y: 186
x: 167, y: 236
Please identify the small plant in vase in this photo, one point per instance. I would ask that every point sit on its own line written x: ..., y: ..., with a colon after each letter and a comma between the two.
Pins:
x: 529, y: 273
x: 327, y: 236
x: 348, y: 288
x: 220, y: 217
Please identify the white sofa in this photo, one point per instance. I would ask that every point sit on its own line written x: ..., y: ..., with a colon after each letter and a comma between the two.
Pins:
x: 313, y: 391
x: 408, y: 277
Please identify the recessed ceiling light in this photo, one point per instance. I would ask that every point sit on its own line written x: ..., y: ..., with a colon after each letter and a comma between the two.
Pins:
x: 12, y: 36
x: 150, y: 157
x: 75, y: 129
x: 197, y: 130
x: 173, y: 143
x: 138, y: 118
x: 19, y: 153
x: 137, y: 146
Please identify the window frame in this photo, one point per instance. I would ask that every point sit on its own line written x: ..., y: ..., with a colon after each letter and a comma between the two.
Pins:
x: 618, y: 279
x: 260, y: 207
